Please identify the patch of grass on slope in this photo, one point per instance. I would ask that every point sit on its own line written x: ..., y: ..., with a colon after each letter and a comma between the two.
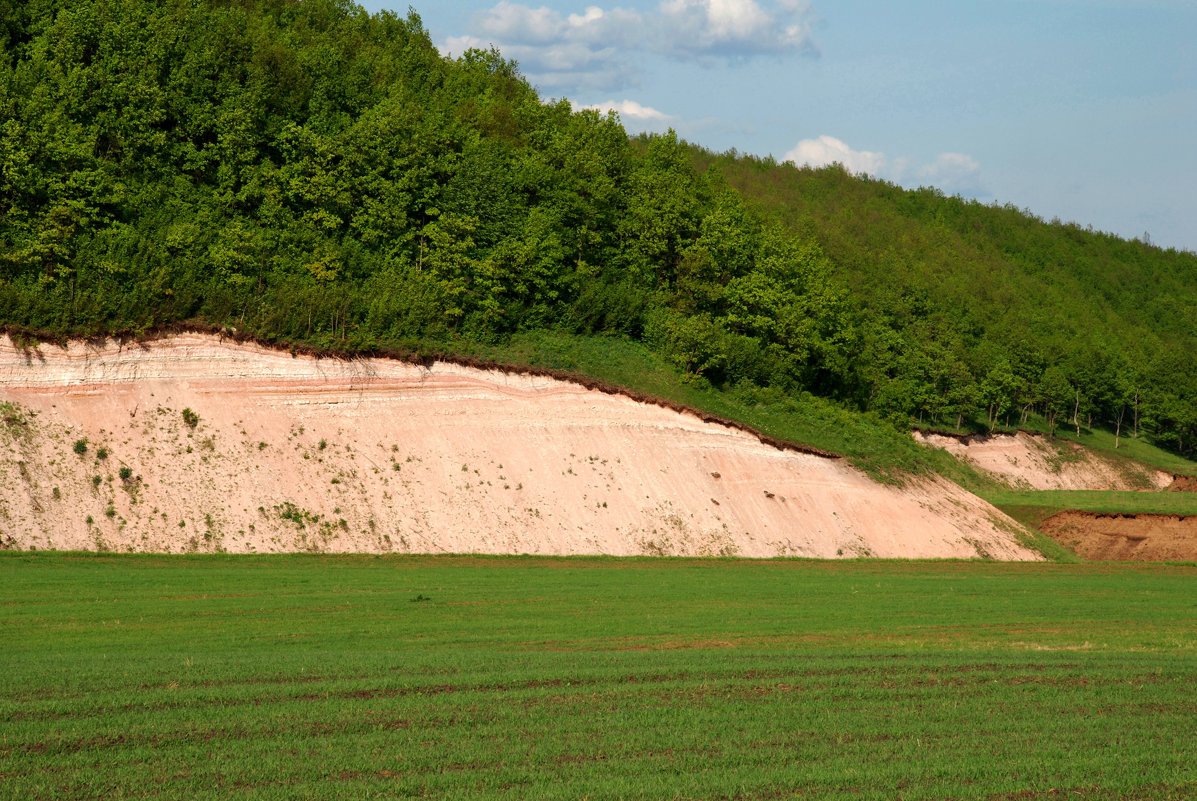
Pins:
x: 1129, y: 448
x: 363, y: 677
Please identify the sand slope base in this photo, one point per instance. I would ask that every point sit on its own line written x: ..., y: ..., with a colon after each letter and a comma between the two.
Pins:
x: 291, y: 453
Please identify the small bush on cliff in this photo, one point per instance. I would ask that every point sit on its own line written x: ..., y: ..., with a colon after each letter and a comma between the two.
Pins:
x: 12, y: 416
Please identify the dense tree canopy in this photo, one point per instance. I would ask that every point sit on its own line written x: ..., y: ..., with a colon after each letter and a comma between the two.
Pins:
x: 309, y: 172
x: 988, y: 313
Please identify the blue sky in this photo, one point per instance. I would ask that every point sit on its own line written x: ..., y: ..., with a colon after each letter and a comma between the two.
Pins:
x: 1085, y: 110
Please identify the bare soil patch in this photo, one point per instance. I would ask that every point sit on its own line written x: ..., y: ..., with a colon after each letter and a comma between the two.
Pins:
x: 1183, y: 484
x: 1031, y: 461
x: 197, y: 443
x: 1150, y: 538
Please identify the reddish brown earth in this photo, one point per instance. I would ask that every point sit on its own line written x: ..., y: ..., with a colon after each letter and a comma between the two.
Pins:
x: 1183, y: 484
x: 296, y: 453
x: 1151, y: 538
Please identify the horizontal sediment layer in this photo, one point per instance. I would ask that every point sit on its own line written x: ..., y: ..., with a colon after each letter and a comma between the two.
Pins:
x: 286, y: 452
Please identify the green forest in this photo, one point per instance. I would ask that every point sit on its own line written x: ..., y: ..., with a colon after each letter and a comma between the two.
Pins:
x: 310, y: 174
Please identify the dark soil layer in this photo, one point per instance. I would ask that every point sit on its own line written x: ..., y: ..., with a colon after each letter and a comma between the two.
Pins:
x: 1183, y: 484
x: 1148, y: 538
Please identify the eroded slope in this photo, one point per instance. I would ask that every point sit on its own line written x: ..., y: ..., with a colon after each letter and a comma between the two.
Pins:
x: 1027, y: 461
x: 293, y: 453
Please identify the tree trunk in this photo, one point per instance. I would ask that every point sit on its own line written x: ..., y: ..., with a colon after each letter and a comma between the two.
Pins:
x: 74, y: 288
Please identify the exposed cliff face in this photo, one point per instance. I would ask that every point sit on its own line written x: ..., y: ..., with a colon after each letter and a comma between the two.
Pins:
x: 1149, y: 538
x: 294, y: 453
x: 1027, y: 461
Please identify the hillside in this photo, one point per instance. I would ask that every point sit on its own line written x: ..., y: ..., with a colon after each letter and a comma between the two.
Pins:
x: 192, y: 443
x: 1027, y: 461
x: 985, y: 315
x: 314, y: 174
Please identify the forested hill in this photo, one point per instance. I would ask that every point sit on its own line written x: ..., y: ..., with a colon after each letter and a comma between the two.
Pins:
x: 310, y: 173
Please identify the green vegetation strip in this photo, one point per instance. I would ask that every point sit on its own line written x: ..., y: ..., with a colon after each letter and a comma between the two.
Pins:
x: 516, y: 678
x: 1098, y: 501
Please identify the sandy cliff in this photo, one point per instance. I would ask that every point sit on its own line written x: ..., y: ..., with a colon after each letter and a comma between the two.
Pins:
x: 293, y: 453
x: 1028, y: 461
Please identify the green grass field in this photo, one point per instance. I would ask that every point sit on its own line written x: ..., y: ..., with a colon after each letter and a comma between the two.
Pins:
x: 1098, y: 501
x: 363, y: 677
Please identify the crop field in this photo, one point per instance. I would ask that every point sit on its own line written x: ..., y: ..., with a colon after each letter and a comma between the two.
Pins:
x: 307, y: 677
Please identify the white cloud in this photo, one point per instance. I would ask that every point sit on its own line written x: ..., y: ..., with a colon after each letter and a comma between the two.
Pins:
x: 456, y: 45
x: 519, y: 24
x: 599, y: 48
x: 586, y: 51
x: 635, y: 116
x: 516, y: 23
x: 954, y: 173
x: 632, y: 109
x: 734, y: 28
x: 827, y: 150
x: 718, y: 19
